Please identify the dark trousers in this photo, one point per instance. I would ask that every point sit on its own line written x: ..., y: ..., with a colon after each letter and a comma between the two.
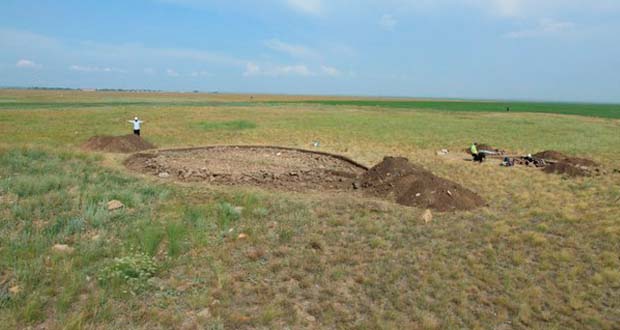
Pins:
x: 136, y: 132
x: 479, y: 157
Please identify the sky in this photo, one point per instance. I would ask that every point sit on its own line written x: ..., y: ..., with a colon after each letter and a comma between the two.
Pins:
x: 556, y: 50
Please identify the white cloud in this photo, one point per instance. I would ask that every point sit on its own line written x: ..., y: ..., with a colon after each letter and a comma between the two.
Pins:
x: 172, y: 73
x: 508, y: 8
x: 25, y: 40
x: 545, y: 28
x: 312, y: 7
x: 150, y: 71
x: 298, y: 51
x: 388, y: 22
x: 27, y: 64
x: 81, y: 68
x: 253, y: 69
x: 330, y: 71
x: 299, y: 70
x: 200, y: 74
x: 545, y: 7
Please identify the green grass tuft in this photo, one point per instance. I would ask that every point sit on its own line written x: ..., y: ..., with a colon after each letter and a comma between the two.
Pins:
x: 233, y: 125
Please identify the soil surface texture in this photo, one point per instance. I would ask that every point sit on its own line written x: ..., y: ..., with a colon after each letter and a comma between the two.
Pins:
x: 557, y: 156
x: 120, y: 144
x: 559, y: 163
x: 270, y: 167
x: 395, y: 178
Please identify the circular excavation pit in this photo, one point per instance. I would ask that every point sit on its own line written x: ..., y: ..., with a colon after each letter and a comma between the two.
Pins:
x: 271, y: 167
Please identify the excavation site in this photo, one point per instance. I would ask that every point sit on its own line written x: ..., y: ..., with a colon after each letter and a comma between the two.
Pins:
x: 286, y: 169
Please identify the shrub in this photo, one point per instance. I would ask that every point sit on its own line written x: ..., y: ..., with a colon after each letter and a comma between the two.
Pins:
x: 133, y: 271
x: 226, y: 215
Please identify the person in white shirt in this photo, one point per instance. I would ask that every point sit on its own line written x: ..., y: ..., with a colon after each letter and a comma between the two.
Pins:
x: 136, y: 125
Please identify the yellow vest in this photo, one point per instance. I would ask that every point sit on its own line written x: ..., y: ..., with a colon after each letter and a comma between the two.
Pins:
x: 474, y: 150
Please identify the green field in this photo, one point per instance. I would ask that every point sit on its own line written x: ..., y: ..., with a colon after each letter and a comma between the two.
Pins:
x: 544, y: 254
x: 581, y: 109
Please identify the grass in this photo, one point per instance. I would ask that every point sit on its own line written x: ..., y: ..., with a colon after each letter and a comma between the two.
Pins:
x: 582, y: 109
x: 111, y: 104
x: 543, y: 254
x: 233, y: 125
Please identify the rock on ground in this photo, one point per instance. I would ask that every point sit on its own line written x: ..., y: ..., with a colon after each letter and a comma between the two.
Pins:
x: 63, y: 248
x: 115, y: 205
x: 427, y: 216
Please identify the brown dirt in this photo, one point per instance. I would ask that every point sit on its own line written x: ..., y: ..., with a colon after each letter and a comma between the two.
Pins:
x: 566, y: 168
x: 408, y: 184
x: 570, y: 166
x: 121, y: 144
x: 557, y: 156
x: 271, y: 167
x: 395, y: 179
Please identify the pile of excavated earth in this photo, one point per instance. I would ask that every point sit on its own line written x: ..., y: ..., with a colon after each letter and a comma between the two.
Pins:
x: 394, y: 179
x: 572, y: 166
x: 550, y: 161
x: 118, y: 144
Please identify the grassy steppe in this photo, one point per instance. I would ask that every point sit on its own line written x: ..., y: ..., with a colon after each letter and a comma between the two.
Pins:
x: 543, y: 254
x: 582, y: 109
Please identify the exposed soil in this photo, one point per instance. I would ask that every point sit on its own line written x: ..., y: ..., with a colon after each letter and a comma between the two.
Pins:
x: 557, y: 156
x: 551, y: 161
x: 559, y: 163
x: 395, y: 179
x: 566, y: 168
x: 271, y: 167
x: 408, y: 184
x: 121, y: 144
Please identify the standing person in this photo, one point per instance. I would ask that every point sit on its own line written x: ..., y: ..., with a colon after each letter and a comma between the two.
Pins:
x: 478, y: 156
x: 136, y: 125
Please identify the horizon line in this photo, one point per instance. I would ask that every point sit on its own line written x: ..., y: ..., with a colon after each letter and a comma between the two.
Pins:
x: 368, y: 96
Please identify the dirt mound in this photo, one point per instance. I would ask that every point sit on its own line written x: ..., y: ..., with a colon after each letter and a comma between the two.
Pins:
x: 559, y: 163
x: 396, y: 178
x: 122, y: 144
x: 566, y: 168
x: 559, y: 157
x: 271, y: 167
x: 550, y: 155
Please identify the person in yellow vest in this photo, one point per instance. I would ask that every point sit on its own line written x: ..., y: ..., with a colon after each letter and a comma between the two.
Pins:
x: 478, y: 156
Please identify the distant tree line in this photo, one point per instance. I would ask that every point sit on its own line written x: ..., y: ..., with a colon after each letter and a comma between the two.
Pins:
x: 128, y: 90
x: 43, y: 88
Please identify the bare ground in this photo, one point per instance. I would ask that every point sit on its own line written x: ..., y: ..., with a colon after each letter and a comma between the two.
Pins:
x: 270, y: 167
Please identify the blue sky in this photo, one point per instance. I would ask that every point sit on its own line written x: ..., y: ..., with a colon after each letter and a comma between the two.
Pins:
x: 564, y: 50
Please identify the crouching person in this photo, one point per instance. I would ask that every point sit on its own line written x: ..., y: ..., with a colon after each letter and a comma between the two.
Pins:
x: 478, y: 156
